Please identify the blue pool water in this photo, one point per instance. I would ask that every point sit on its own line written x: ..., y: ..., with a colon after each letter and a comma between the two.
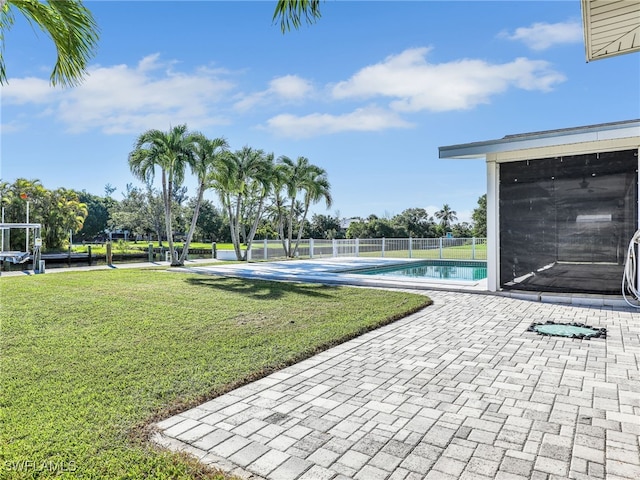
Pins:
x: 436, y: 269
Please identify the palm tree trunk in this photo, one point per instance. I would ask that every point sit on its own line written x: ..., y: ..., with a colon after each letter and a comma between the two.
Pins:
x: 254, y: 228
x: 167, y: 211
x: 283, y: 239
x: 167, y: 214
x: 236, y: 239
x: 192, y: 227
x: 279, y: 208
x: 290, y: 229
x: 232, y: 230
x: 233, y: 224
x: 306, y: 210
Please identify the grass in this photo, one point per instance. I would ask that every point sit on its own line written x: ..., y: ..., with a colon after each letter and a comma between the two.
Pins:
x: 120, y: 246
x: 90, y: 358
x: 462, y: 252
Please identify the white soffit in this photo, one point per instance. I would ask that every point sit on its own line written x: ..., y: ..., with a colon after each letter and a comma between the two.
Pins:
x: 611, y: 27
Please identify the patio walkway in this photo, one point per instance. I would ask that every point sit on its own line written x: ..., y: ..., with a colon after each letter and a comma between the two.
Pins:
x: 458, y: 390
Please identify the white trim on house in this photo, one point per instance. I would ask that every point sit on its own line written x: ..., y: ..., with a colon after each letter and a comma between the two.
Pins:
x: 493, y: 226
x: 607, y: 136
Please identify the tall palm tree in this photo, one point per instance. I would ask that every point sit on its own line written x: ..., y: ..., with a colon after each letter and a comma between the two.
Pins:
x: 290, y: 178
x: 446, y: 216
x: 70, y: 25
x: 277, y: 210
x: 316, y: 187
x: 206, y: 159
x: 298, y: 177
x: 171, y: 152
x: 243, y: 182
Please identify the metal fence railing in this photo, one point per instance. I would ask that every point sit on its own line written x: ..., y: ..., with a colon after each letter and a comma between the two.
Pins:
x: 427, y: 248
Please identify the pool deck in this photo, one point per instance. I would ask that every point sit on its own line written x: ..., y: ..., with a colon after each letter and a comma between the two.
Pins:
x: 328, y: 271
x: 459, y: 390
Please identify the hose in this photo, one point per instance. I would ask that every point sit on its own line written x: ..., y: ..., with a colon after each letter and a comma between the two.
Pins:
x: 630, y: 276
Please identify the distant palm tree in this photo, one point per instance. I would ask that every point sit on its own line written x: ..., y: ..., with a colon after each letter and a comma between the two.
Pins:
x: 243, y: 182
x: 446, y: 216
x: 205, y: 161
x: 316, y: 187
x: 298, y: 177
x: 171, y: 152
x: 291, y: 176
x: 69, y: 24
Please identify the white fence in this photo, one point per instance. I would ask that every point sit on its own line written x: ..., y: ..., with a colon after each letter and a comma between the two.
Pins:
x: 428, y: 248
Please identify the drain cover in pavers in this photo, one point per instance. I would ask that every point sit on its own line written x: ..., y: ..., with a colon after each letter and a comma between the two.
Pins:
x: 277, y: 418
x: 571, y: 330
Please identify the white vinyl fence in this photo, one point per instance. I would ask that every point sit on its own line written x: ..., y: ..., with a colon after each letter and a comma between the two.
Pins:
x: 428, y: 248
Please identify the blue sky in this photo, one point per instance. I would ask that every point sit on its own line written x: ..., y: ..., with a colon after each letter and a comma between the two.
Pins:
x: 369, y: 92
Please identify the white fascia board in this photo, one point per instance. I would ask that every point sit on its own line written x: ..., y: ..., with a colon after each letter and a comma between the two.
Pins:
x: 599, y: 146
x: 629, y: 133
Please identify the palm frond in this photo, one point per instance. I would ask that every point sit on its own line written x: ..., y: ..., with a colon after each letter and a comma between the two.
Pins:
x: 73, y: 30
x: 290, y: 13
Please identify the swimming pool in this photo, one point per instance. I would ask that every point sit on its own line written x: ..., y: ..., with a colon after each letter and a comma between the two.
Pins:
x: 437, y: 269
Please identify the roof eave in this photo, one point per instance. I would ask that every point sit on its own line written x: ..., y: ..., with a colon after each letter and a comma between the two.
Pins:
x: 552, y: 138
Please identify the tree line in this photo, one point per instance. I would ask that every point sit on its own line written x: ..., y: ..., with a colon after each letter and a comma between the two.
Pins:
x: 140, y: 213
x: 59, y: 212
x: 418, y: 223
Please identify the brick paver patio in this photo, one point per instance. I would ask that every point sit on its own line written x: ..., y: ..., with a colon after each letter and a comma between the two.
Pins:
x: 459, y: 390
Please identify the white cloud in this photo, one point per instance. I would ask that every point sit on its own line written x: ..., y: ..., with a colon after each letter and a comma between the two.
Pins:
x: 464, y: 216
x: 289, y: 88
x: 541, y: 36
x: 21, y: 91
x: 124, y: 99
x: 11, y: 127
x: 369, y: 119
x: 417, y: 85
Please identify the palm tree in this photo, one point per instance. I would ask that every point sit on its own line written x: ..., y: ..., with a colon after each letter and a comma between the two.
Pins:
x: 294, y: 178
x: 446, y: 216
x: 171, y: 152
x: 69, y: 24
x: 243, y: 182
x: 61, y: 212
x: 207, y: 158
x: 289, y: 182
x: 290, y: 13
x: 316, y: 187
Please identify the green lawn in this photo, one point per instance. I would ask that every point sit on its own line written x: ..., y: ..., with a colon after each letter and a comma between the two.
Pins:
x: 141, y: 246
x: 462, y: 252
x: 90, y: 358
